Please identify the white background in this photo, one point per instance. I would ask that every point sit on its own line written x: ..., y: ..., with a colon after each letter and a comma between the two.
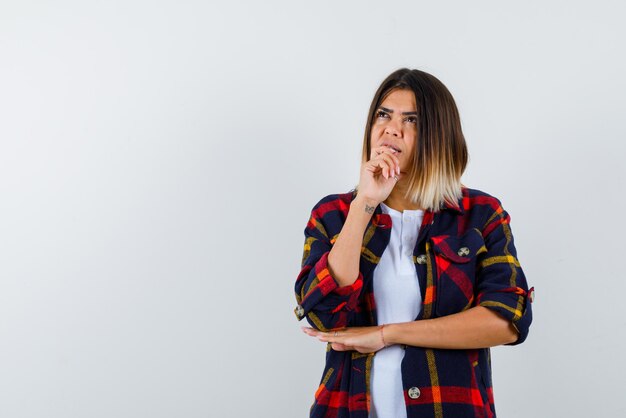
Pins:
x: 159, y: 161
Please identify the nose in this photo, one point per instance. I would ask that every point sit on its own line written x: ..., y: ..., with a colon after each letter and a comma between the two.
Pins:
x: 392, y: 129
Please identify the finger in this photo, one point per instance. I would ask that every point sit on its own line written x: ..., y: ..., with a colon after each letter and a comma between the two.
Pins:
x: 376, y: 167
x: 384, y: 151
x: 392, y: 160
x: 328, y: 337
x: 380, y: 150
x: 371, y: 168
x: 331, y: 335
x: 397, y: 162
x: 310, y: 331
x: 393, y: 156
x: 321, y: 336
x: 385, y: 166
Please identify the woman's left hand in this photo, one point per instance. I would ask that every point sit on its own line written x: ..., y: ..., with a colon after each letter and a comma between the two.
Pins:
x: 361, y: 339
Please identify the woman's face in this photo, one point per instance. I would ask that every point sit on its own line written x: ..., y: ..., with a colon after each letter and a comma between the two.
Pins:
x: 395, y: 125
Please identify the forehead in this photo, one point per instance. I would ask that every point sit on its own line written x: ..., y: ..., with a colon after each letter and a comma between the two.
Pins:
x: 400, y: 99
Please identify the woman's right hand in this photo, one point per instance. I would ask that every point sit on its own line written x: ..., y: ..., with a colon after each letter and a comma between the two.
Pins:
x: 377, y: 175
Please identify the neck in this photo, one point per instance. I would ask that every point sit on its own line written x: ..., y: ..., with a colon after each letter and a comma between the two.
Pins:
x: 397, y: 201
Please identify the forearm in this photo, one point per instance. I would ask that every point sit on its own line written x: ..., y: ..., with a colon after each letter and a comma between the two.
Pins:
x: 477, y: 327
x: 344, y: 257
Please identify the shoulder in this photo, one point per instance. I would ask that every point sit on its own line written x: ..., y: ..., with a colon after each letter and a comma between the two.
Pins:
x: 337, y: 202
x: 484, y: 209
x: 479, y: 200
x: 330, y: 212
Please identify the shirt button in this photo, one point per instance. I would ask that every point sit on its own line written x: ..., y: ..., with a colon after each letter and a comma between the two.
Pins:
x: 421, y: 259
x: 414, y: 392
x: 299, y: 311
x: 463, y: 251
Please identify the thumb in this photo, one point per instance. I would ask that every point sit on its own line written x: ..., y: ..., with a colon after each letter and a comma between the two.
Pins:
x: 339, y: 347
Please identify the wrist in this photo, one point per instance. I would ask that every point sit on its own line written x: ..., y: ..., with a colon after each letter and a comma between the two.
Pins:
x: 364, y: 204
x: 382, y: 335
x: 390, y: 334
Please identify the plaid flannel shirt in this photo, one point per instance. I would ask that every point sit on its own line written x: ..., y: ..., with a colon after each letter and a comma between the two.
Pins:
x: 464, y: 257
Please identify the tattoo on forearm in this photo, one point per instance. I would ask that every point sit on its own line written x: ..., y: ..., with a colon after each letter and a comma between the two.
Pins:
x: 369, y: 209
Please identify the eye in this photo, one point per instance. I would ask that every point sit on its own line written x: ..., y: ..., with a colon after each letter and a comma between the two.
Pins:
x: 381, y: 114
x: 411, y: 119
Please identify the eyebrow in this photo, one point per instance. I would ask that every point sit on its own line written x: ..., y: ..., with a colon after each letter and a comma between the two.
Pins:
x: 391, y: 111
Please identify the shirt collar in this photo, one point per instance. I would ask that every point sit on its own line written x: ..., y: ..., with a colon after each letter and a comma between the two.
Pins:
x: 458, y: 208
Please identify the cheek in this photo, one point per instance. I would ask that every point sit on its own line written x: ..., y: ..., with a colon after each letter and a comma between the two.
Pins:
x: 375, y: 132
x: 410, y: 144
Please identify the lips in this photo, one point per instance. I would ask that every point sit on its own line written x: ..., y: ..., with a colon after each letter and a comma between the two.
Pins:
x: 393, y: 147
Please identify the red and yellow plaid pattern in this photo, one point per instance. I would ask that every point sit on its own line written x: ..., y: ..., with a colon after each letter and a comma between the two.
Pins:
x: 464, y: 257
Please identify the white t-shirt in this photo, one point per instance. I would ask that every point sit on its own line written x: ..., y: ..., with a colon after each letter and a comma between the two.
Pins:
x: 398, y: 299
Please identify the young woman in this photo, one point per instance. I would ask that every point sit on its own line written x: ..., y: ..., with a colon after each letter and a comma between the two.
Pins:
x: 411, y: 277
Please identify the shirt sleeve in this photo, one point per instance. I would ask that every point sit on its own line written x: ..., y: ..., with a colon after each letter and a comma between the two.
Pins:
x: 500, y: 282
x: 320, y: 299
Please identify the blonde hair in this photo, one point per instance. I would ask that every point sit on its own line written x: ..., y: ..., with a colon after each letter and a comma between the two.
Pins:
x: 440, y: 153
